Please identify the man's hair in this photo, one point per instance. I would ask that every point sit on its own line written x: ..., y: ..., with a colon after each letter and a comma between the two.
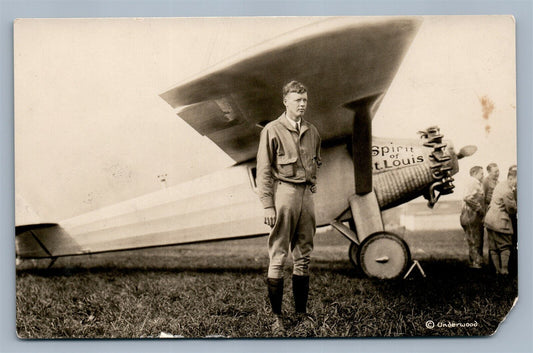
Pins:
x: 475, y: 169
x: 512, y: 171
x: 294, y: 86
x: 491, y: 166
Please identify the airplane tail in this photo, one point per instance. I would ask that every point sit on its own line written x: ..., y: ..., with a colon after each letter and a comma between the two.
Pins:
x: 43, y: 240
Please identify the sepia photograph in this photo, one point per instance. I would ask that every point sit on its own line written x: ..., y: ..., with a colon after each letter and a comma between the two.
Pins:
x: 265, y: 177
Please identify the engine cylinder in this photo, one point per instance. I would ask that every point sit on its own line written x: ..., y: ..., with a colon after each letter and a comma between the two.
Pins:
x: 401, y: 185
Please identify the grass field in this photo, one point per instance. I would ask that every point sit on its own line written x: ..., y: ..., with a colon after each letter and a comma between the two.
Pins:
x: 218, y: 290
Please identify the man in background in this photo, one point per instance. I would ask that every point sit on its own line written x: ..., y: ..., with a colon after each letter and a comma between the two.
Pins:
x: 490, y: 182
x: 513, y: 260
x: 472, y: 216
x: 498, y: 222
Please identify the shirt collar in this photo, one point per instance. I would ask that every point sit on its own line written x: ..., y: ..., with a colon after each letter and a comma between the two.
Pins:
x: 292, y: 122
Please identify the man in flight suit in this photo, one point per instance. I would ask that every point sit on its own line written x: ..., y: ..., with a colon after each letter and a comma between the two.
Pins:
x: 472, y: 215
x: 287, y: 162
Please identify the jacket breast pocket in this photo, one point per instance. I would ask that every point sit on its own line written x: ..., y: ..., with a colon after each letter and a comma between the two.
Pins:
x: 286, y: 166
x: 505, y: 224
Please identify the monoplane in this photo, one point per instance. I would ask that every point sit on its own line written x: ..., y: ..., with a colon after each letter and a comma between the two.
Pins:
x: 348, y: 66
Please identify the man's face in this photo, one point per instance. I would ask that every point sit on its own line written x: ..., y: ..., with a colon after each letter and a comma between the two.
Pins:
x: 494, y: 173
x: 479, y: 175
x: 295, y: 104
x: 513, y: 181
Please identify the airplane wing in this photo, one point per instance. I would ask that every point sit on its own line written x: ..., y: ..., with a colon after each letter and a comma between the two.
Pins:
x: 345, y: 63
x: 341, y: 61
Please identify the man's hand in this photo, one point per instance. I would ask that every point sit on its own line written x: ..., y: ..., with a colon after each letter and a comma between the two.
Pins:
x: 270, y: 216
x: 313, y: 188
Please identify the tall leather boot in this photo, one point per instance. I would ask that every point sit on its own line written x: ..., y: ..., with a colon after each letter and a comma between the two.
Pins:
x: 300, y: 291
x: 275, y: 295
x: 495, y: 257
x: 504, y: 259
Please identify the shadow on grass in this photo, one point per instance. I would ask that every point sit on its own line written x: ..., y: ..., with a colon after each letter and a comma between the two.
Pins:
x: 442, y: 271
x: 73, y: 271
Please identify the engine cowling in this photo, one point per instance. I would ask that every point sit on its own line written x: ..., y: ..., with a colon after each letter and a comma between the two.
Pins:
x: 406, y: 169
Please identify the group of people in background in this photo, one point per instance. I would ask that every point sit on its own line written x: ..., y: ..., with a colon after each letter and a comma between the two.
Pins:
x: 490, y: 205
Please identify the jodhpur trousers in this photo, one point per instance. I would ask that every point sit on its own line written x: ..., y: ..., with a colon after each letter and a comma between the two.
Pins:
x: 499, y: 241
x: 294, y: 229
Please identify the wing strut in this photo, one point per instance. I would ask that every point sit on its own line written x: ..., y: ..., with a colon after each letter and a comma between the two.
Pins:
x: 52, y: 257
x: 364, y: 110
x: 364, y: 206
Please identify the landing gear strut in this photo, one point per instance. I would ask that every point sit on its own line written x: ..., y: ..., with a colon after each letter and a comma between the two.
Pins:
x: 381, y: 255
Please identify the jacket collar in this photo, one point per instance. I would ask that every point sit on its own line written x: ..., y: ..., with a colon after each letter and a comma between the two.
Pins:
x: 304, y: 125
x: 474, y: 181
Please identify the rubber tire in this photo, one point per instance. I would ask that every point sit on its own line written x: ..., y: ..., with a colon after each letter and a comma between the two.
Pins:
x: 384, y: 245
x: 353, y: 254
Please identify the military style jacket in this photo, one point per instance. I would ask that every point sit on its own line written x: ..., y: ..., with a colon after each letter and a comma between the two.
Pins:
x: 474, y: 196
x: 473, y: 208
x: 502, y: 205
x: 488, y: 188
x: 285, y: 155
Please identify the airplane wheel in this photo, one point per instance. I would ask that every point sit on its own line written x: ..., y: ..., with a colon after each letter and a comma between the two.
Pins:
x: 352, y: 253
x: 383, y: 255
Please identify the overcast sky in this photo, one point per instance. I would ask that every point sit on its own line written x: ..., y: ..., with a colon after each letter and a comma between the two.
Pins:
x: 91, y: 130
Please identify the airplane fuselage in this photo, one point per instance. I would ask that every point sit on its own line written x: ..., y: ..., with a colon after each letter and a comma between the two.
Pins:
x: 225, y: 204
